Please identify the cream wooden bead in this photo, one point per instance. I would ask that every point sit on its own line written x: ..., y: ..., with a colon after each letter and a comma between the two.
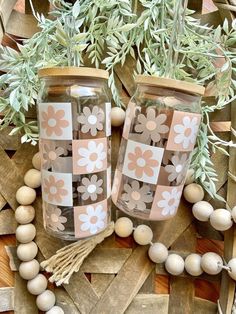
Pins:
x: 189, y: 177
x: 124, y: 227
x: 211, y: 263
x: 232, y: 271
x: 192, y: 264
x: 117, y: 116
x: 202, y: 210
x: 221, y: 220
x: 55, y: 310
x: 46, y: 300
x: 143, y: 235
x: 174, y: 264
x: 158, y: 252
x: 193, y: 193
x: 36, y: 161
x: 32, y: 178
x: 25, y: 233
x: 24, y: 214
x: 233, y: 213
x: 37, y: 285
x: 28, y: 270
x: 25, y: 195
x: 26, y: 252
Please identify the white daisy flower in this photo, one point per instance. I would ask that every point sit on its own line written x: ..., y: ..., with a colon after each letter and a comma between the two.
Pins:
x: 187, y: 131
x: 93, y: 157
x: 94, y: 221
x: 170, y: 202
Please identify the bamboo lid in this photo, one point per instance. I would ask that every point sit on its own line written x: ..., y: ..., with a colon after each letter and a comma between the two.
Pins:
x: 170, y: 83
x: 73, y: 71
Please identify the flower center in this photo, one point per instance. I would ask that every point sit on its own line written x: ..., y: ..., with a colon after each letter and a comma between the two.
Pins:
x: 171, y: 202
x: 54, y: 218
x: 141, y: 162
x: 93, y: 220
x: 135, y: 195
x: 52, y: 122
x: 91, y: 188
x: 151, y: 125
x: 53, y: 190
x: 187, y: 132
x: 52, y: 155
x: 93, y: 156
x: 92, y: 119
x: 179, y: 168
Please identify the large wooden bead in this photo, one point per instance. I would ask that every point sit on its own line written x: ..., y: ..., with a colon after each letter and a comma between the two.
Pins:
x: 192, y: 264
x: 158, y: 252
x: 46, y: 300
x: 211, y: 263
x: 193, y: 193
x: 28, y: 270
x: 25, y: 233
x: 174, y: 264
x: 124, y: 227
x: 221, y: 220
x: 143, y: 235
x: 202, y: 210
x: 55, y: 310
x: 26, y: 252
x: 232, y: 271
x: 32, y: 178
x: 36, y: 161
x: 25, y: 195
x: 189, y: 177
x: 24, y: 214
x: 117, y: 116
x: 233, y: 213
x: 37, y: 285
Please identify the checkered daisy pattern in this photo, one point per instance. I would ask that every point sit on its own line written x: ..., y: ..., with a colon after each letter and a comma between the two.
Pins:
x: 76, y: 171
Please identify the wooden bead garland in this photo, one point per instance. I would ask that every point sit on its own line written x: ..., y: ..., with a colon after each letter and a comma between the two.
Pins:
x: 220, y: 219
x: 194, y: 264
x: 28, y: 249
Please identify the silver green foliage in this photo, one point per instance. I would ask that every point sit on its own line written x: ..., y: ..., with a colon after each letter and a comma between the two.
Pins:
x: 107, y: 31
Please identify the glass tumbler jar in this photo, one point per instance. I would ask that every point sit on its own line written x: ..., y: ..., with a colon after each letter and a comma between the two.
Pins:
x: 160, y: 130
x: 75, y: 128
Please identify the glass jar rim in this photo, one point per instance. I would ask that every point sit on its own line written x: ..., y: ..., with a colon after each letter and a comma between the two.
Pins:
x: 73, y: 71
x: 170, y: 83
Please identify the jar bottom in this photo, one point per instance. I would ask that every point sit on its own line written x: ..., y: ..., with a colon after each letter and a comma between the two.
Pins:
x: 120, y: 204
x: 61, y: 235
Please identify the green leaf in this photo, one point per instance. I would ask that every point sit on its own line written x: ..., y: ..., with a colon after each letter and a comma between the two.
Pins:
x: 76, y: 9
x: 126, y: 27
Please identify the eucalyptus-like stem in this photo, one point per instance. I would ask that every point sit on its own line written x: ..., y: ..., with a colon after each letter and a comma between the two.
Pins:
x: 72, y: 57
x: 177, y: 31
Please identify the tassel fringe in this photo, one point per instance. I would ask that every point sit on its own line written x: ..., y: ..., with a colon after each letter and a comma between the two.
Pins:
x: 69, y: 259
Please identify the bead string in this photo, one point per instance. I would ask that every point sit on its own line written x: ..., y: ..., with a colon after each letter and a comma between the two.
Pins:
x: 194, y: 264
x: 221, y: 219
x: 27, y: 249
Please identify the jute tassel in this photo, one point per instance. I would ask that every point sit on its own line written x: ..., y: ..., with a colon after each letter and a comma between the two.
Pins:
x: 68, y: 259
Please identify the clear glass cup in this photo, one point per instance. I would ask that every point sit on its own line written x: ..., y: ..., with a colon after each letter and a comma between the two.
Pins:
x: 160, y: 130
x: 75, y: 129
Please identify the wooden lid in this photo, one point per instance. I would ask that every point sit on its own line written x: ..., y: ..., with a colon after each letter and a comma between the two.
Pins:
x: 170, y: 83
x: 73, y: 71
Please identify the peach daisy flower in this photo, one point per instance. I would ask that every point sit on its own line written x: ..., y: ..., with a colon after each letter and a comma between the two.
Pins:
x: 52, y: 121
x: 54, y: 189
x: 54, y: 218
x: 142, y: 162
